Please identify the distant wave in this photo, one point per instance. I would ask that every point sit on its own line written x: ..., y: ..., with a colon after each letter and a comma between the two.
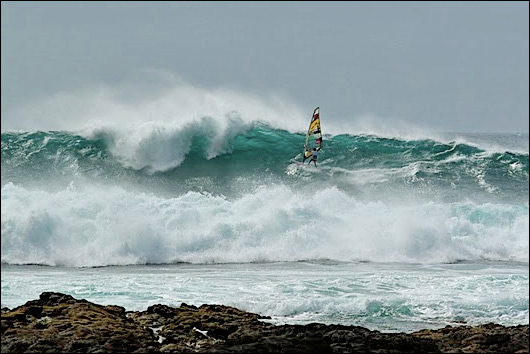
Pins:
x: 255, y: 145
x: 207, y: 149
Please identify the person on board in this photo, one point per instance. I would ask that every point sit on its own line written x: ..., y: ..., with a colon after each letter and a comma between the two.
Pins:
x: 314, y: 156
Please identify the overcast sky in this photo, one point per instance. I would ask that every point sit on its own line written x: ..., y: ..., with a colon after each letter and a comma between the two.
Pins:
x: 450, y: 66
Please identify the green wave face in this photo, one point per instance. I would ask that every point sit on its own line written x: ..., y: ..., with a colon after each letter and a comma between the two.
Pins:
x: 199, y: 160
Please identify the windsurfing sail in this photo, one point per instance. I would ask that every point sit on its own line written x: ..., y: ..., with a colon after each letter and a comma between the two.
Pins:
x: 313, y: 138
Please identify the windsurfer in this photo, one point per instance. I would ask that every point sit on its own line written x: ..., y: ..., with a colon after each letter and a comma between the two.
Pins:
x: 314, y: 156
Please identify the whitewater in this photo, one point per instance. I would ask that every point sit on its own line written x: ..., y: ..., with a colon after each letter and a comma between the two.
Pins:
x: 394, y: 232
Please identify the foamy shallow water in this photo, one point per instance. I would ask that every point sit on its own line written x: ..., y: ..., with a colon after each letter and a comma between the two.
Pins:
x: 390, y: 297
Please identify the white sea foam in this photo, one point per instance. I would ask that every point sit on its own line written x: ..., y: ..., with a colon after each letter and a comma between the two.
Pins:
x: 97, y: 226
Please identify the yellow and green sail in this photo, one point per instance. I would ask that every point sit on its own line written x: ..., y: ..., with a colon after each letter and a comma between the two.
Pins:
x: 314, y: 135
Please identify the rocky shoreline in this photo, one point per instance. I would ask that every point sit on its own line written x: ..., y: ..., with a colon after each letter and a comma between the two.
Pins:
x: 60, y: 323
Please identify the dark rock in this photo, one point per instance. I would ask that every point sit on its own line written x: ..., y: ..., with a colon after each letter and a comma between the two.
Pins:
x: 50, y: 299
x: 60, y: 323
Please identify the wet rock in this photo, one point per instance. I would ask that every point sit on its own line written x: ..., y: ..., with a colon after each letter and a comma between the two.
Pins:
x: 60, y: 323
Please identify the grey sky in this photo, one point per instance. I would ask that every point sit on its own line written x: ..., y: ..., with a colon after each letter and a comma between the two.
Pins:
x: 450, y: 66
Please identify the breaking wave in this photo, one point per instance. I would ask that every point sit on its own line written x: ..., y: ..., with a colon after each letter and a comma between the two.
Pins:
x: 234, y: 191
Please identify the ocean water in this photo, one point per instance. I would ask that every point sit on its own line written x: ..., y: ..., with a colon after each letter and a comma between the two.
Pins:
x: 394, y: 233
